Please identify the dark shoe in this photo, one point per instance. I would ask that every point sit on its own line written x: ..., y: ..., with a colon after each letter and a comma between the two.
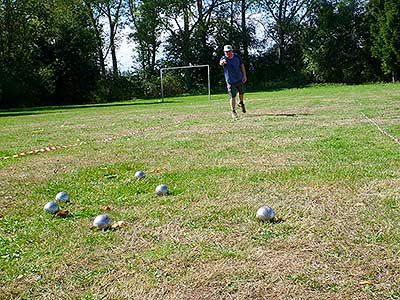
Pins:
x: 242, y: 107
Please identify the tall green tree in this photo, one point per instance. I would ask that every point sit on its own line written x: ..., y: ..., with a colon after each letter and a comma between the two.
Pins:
x: 21, y: 32
x: 113, y: 10
x: 73, y: 54
x: 283, y: 20
x: 335, y: 48
x: 185, y: 19
x: 106, y: 18
x: 95, y: 16
x: 47, y: 53
x: 190, y: 31
x: 147, y: 21
x: 385, y: 28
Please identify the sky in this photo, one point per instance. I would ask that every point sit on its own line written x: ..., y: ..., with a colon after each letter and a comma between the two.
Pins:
x: 124, y: 51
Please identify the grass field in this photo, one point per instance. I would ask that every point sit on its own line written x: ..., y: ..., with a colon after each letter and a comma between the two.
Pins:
x: 331, y: 176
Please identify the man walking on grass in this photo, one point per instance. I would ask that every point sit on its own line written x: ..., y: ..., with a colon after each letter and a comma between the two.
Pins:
x: 235, y: 77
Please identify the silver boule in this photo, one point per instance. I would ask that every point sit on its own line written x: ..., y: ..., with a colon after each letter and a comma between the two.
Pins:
x: 102, y: 221
x: 51, y: 207
x: 162, y: 190
x: 265, y: 213
x: 140, y: 174
x: 62, y: 197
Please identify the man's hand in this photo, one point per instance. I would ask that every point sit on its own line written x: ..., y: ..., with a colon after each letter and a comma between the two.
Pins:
x: 244, y: 76
x: 222, y: 62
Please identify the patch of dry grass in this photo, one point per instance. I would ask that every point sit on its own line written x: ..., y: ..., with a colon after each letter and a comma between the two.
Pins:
x: 331, y: 177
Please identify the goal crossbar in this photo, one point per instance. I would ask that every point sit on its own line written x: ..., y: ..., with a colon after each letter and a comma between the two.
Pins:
x: 186, y: 67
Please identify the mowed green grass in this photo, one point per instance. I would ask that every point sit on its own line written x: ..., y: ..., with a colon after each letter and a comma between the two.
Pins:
x: 331, y: 176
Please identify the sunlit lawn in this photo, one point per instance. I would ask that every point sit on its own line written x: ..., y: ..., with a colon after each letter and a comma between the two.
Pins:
x: 331, y: 176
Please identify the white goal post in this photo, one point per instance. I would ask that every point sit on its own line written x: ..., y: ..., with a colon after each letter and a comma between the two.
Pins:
x: 186, y: 67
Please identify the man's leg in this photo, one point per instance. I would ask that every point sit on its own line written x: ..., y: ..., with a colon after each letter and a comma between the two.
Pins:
x: 233, y: 107
x: 241, y: 97
x: 241, y: 103
x: 233, y: 103
x: 232, y: 92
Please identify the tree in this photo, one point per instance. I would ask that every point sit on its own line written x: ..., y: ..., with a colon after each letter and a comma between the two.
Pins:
x: 385, y: 28
x: 335, y: 48
x: 106, y: 13
x: 190, y: 31
x: 245, y: 38
x: 73, y: 55
x: 47, y: 53
x: 20, y: 28
x: 185, y: 19
x: 147, y: 20
x: 283, y: 18
x: 94, y: 14
x: 113, y: 11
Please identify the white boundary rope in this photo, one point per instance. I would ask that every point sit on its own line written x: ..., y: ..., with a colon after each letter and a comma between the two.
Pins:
x: 380, y: 129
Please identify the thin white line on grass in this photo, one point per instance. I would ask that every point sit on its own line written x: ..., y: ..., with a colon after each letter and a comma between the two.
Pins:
x: 381, y: 130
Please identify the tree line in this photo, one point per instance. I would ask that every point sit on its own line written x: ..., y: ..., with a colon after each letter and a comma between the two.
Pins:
x: 55, y: 52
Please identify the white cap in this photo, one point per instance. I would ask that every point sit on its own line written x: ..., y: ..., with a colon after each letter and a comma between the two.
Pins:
x: 228, y: 48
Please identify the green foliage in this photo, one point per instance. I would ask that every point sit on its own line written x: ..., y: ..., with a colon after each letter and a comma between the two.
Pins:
x: 385, y: 28
x: 55, y: 52
x: 147, y: 21
x: 174, y: 85
x: 47, y: 53
x: 334, y: 48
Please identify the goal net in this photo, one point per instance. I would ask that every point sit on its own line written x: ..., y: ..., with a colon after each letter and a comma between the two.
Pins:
x: 187, y: 79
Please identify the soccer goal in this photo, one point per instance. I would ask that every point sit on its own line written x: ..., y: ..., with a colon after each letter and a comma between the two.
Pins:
x: 185, y: 67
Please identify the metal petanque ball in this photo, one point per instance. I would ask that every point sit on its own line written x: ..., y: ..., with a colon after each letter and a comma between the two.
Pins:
x: 51, y: 207
x: 139, y: 174
x: 62, y: 197
x: 102, y: 221
x: 162, y: 190
x: 265, y: 213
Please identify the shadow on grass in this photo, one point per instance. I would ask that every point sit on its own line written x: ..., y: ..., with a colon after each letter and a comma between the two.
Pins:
x: 56, y: 109
x: 275, y: 220
x: 278, y: 115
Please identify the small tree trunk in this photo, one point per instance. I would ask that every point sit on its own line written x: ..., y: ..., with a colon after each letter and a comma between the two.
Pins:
x: 230, y: 38
x: 395, y: 76
x: 245, y: 35
x: 114, y: 60
x: 186, y: 50
x: 99, y: 41
x: 112, y: 42
x: 281, y: 48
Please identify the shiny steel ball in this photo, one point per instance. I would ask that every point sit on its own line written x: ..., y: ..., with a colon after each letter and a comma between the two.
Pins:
x: 51, y: 207
x: 265, y: 213
x: 62, y: 197
x: 162, y: 190
x: 102, y: 221
x: 140, y: 174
